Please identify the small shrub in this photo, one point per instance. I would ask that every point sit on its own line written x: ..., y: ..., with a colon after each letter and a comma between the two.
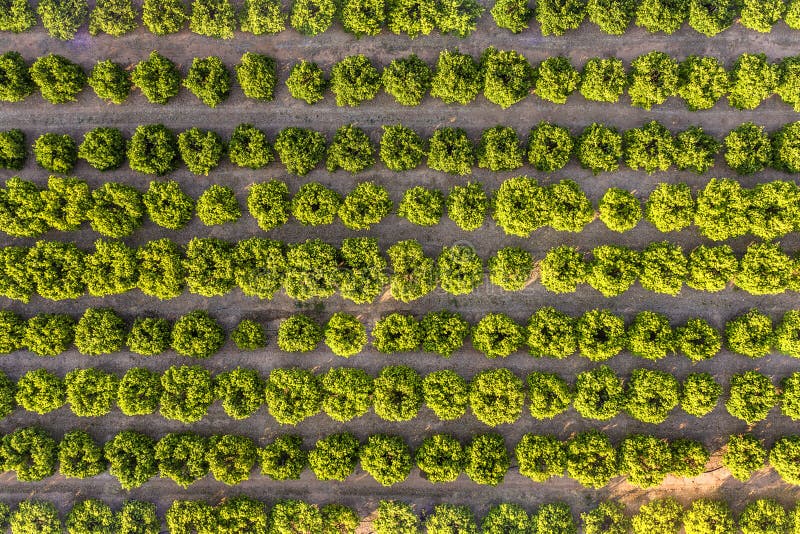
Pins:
x: 517, y: 206
x: 695, y: 150
x: 451, y: 151
x: 497, y: 336
x: 396, y: 332
x: 307, y: 82
x: 35, y: 516
x: 351, y: 150
x: 386, y: 458
x: 284, y: 458
x: 499, y: 149
x: 670, y: 207
x: 30, y: 452
x: 131, y: 458
x: 300, y: 149
x: 556, y: 79
x: 787, y: 339
x: 363, y: 17
x: 231, y: 458
x: 562, y: 269
x: 66, y: 203
x: 760, y: 16
x: 619, y: 210
x: 460, y: 269
x: 149, y: 336
x: 364, y: 270
x: 781, y: 458
x: 218, y: 205
x: 505, y: 517
x: 209, y: 266
x: 348, y: 393
x: 62, y: 18
x: 401, y: 148
x: 334, y: 457
x: 698, y: 340
x: 704, y: 515
x: 747, y: 149
x: 763, y: 515
x: 443, y: 332
x: 17, y: 83
x: 591, y: 459
x: 79, y: 456
x: 558, y: 16
x: 496, y: 397
x: 395, y: 518
x: 110, y: 81
x: 168, y: 205
x: 653, y: 79
x: 457, y: 79
x: 440, y: 457
x: 711, y: 18
x: 650, y: 148
x: 598, y: 394
x: 711, y: 268
x: 249, y: 335
x: 752, y: 396
x: 187, y: 392
x: 549, y: 394
x: 607, y: 518
x: 241, y: 392
x: 249, y: 147
x: 312, y: 270
x: 613, y: 269
x: 510, y: 268
x: 299, y: 333
x: 467, y: 206
x: 599, y: 148
x: 414, y: 274
x: 508, y: 77
x: 549, y: 147
x: 312, y: 17
x: 446, y: 393
x: 422, y: 206
x: 446, y: 518
x: 541, y: 457
x: 772, y: 209
x: 48, y: 334
x: 161, y: 272
x: 750, y: 334
x: 765, y: 269
x: 551, y: 334
x: 103, y: 148
x: 702, y: 82
x: 407, y: 79
x: 138, y: 517
x: 513, y: 15
x: 661, y: 15
x: 603, y: 79
x: 293, y: 395
x: 256, y: 75
x: 17, y: 16
x: 651, y: 395
x: 99, y: 331
x: 200, y: 150
x: 645, y: 460
x: 744, y: 454
x: 354, y: 80
x: 209, y: 80
x: 268, y: 203
x: 650, y: 336
x: 12, y: 149
x: 56, y: 153
x: 157, y: 77
x: 659, y: 515
x: 487, y: 459
x: 139, y: 392
x: 153, y: 149
x: 397, y: 394
x: 260, y: 266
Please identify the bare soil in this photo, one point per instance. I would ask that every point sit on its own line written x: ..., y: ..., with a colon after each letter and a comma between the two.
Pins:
x: 35, y: 116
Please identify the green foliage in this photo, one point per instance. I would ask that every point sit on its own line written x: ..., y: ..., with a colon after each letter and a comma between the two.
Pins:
x: 249, y: 335
x: 79, y: 456
x: 307, y: 82
x: 789, y: 78
x: 549, y: 394
x: 163, y: 17
x: 114, y: 17
x: 157, y: 77
x: 702, y: 82
x: 110, y: 81
x: 711, y: 18
x: 386, y: 458
x: 208, y: 79
x: 139, y: 391
x: 209, y: 266
x: 744, y: 454
x: 510, y: 268
x: 161, y: 272
x: 752, y: 396
x: 187, y: 393
x: 284, y: 458
x: 458, y: 17
x: 348, y: 393
x: 603, y: 79
x: 149, y: 336
x: 16, y: 16
x: 499, y: 149
x: 556, y: 79
x: 750, y: 334
x: 551, y: 334
x: 12, y: 149
x: 56, y: 269
x: 646, y: 460
x: 300, y: 149
x: 168, y: 205
x: 16, y: 83
x: 753, y: 80
x: 249, y: 147
x: 706, y: 516
x: 354, y: 80
x: 363, y: 17
x: 549, y: 147
x: 651, y: 395
x: 496, y: 335
x: 422, y: 206
x: 12, y: 333
x: 653, y: 79
x: 449, y: 519
x: 49, y: 334
x: 153, y: 149
x: 517, y: 206
x: 496, y: 397
x: 747, y: 149
x: 765, y: 269
x: 443, y: 332
x: 259, y: 266
x: 398, y: 393
x: 650, y: 147
x: 182, y: 457
x: 460, y: 269
x: 334, y: 457
x: 312, y: 17
x: 663, y: 268
x: 91, y: 392
x: 487, y: 459
x: 607, y: 518
x: 570, y: 209
x: 256, y: 75
x: 311, y: 270
x: 505, y: 517
x: 218, y: 205
x: 35, y: 517
x: 711, y: 268
x: 761, y: 15
x: 111, y: 269
x: 262, y: 16
x: 131, y: 458
x: 21, y: 204
x: 30, y: 452
x: 670, y: 207
x: 66, y: 203
x: 513, y: 15
x: 599, y: 148
x: 396, y: 332
x: 787, y: 339
x: 763, y: 515
x: 562, y: 269
x: 412, y: 17
x: 786, y: 156
x: 689, y: 458
x: 440, y: 457
x: 558, y: 16
x: 299, y: 333
x: 191, y: 516
x: 102, y: 148
x: 698, y: 340
x: 197, y: 335
x: 138, y: 517
x: 407, y: 79
x: 508, y: 77
x: 451, y: 151
x: 395, y: 518
x: 446, y: 394
x: 659, y: 516
x: 62, y: 18
x: 56, y: 153
x: 619, y: 210
x: 402, y: 148
x: 467, y: 205
x: 200, y: 150
x: 350, y: 150
x: 554, y: 517
x: 662, y: 15
x: 99, y: 331
x: 457, y: 79
x: 414, y: 275
x: 213, y: 18
x: 598, y: 394
x: 293, y: 395
x: 363, y: 274
x: 613, y: 269
x: 241, y: 392
x: 782, y: 458
x: 540, y: 457
x: 91, y: 515
x: 695, y: 150
x: 231, y: 458
x: 591, y: 459
x: 268, y: 203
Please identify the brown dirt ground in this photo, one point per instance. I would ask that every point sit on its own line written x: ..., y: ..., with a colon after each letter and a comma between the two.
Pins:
x: 36, y: 117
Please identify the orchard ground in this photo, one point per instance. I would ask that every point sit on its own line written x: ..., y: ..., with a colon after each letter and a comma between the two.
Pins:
x: 34, y: 117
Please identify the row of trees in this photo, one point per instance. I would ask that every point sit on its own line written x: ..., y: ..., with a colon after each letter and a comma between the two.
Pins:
x: 244, y: 514
x: 220, y: 19
x: 504, y: 76
x: 156, y: 150
x: 358, y: 271
x: 588, y: 457
x: 721, y: 210
x: 597, y: 334
x: 495, y: 397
